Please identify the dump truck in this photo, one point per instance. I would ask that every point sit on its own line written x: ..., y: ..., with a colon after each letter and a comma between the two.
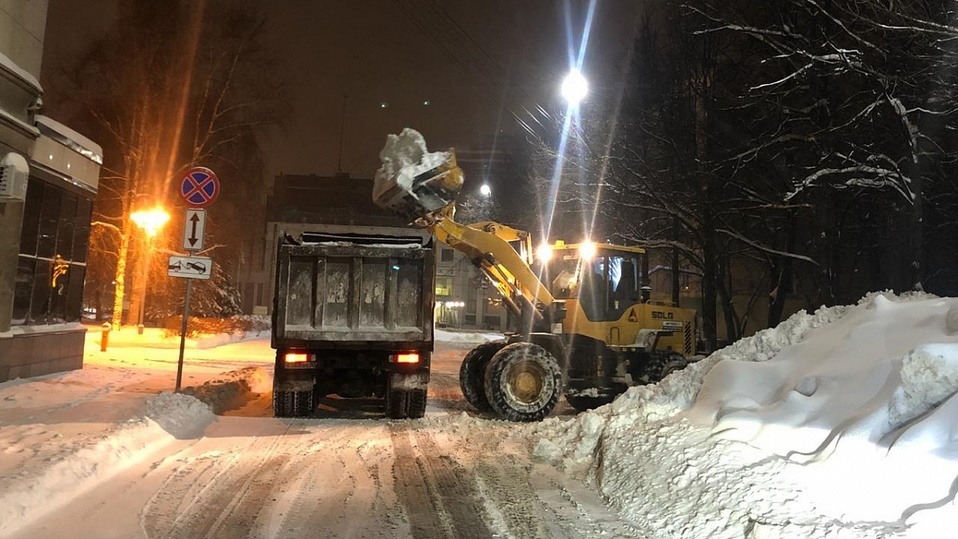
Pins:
x: 587, y: 330
x: 353, y: 317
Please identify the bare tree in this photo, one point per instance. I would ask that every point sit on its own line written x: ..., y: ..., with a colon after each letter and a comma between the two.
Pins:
x: 173, y: 86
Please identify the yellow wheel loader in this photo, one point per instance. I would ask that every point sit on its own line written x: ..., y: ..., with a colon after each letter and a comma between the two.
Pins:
x: 588, y: 329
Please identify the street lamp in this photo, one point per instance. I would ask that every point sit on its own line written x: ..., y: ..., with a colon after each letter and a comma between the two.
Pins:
x: 574, y: 87
x: 485, y: 190
x: 151, y: 221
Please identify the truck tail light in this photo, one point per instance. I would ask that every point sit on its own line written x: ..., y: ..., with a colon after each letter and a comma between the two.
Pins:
x: 409, y: 357
x: 296, y: 357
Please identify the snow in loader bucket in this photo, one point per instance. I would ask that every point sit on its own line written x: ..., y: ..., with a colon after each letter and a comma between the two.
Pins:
x: 413, y: 182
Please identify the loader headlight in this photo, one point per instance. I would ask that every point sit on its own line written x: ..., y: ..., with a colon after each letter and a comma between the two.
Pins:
x: 544, y: 253
x: 587, y: 250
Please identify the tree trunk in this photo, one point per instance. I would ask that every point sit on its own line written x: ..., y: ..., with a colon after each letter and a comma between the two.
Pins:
x: 782, y: 275
x: 120, y: 278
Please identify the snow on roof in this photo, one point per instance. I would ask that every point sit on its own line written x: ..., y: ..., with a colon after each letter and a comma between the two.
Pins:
x: 70, y: 138
x: 11, y: 66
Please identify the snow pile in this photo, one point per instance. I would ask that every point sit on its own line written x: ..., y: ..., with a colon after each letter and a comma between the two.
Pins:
x: 836, y: 424
x: 74, y: 470
x: 181, y: 415
x: 466, y: 337
x: 404, y: 157
x: 220, y: 339
x: 233, y: 391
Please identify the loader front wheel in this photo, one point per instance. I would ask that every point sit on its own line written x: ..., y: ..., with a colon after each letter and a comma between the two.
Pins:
x: 523, y: 382
x: 665, y: 364
x: 472, y: 374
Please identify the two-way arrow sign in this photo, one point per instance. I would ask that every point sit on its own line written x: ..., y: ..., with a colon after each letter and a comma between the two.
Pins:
x: 193, y: 231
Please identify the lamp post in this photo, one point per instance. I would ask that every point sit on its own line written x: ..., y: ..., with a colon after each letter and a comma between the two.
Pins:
x: 151, y: 221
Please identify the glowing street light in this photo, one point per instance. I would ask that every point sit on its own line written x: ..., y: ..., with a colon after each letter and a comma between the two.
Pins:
x: 574, y: 87
x: 485, y: 190
x: 151, y: 221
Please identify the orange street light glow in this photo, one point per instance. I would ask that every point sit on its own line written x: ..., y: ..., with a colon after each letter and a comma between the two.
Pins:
x: 151, y: 221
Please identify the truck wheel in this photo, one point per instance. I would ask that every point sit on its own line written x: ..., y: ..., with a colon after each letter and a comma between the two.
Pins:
x: 303, y: 403
x: 472, y: 371
x: 282, y: 403
x: 416, y: 403
x: 396, y: 403
x: 523, y: 382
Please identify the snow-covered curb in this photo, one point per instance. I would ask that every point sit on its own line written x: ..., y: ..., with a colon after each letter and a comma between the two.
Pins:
x: 166, y: 417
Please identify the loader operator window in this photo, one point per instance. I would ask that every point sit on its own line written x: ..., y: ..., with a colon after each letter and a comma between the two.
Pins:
x: 610, y: 289
x: 606, y: 286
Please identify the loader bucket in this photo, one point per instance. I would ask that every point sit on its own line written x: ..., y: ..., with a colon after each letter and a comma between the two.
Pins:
x: 417, y: 193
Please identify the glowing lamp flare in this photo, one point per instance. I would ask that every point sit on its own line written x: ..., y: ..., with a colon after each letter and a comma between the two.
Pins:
x: 575, y: 87
x: 151, y: 221
x: 587, y: 250
x: 544, y: 252
x: 485, y: 190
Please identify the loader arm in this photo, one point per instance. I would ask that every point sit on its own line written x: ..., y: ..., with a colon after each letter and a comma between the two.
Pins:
x: 489, y: 246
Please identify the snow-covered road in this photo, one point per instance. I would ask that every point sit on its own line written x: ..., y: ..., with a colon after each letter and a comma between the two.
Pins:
x: 81, y: 460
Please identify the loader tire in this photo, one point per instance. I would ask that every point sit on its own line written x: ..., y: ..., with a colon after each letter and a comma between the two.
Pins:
x: 472, y: 374
x: 665, y: 364
x: 523, y: 382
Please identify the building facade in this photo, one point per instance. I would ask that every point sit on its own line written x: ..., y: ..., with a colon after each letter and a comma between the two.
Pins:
x: 48, y: 181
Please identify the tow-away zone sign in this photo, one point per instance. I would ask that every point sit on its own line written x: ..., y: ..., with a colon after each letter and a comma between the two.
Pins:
x: 190, y: 267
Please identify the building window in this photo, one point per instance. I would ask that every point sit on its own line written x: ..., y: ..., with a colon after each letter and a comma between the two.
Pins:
x: 53, y: 249
x: 447, y: 255
x: 443, y: 286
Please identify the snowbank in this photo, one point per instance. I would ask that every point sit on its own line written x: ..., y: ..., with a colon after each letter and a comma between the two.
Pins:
x: 848, y: 413
x: 74, y: 470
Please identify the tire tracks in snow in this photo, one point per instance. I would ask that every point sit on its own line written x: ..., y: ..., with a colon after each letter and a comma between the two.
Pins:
x: 213, y: 494
x: 440, y: 498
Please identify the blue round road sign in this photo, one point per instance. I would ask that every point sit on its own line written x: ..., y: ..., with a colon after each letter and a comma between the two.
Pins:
x: 199, y: 187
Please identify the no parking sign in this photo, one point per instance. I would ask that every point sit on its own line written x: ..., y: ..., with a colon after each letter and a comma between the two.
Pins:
x: 200, y: 187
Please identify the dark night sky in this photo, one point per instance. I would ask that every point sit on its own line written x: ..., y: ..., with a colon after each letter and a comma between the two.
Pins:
x: 497, y: 55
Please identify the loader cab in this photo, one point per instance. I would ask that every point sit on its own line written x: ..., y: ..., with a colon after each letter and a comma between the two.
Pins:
x: 605, y: 279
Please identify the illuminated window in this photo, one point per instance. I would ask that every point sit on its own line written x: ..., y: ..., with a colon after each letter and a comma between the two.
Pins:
x: 443, y: 286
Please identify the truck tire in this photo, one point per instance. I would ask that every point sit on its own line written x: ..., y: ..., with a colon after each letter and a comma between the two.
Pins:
x: 405, y: 402
x: 282, y: 403
x: 523, y: 382
x: 416, y: 403
x: 472, y: 374
x: 303, y: 403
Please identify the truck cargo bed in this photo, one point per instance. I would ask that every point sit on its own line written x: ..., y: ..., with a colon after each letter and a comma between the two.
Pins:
x: 355, y: 290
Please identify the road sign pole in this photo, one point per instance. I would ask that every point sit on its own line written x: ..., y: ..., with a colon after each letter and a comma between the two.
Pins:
x: 183, y: 325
